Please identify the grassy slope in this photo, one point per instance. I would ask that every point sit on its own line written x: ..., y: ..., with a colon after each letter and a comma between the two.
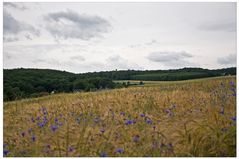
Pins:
x: 193, y: 128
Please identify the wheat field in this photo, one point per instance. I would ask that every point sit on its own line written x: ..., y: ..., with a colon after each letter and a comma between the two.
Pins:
x: 167, y: 119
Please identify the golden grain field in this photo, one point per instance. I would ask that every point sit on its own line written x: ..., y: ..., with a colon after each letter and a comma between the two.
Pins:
x: 172, y: 119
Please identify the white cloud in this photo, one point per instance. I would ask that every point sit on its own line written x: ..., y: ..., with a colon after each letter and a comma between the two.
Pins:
x: 70, y: 24
x: 228, y: 60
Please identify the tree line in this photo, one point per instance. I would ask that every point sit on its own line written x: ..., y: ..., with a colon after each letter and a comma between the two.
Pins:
x: 25, y: 83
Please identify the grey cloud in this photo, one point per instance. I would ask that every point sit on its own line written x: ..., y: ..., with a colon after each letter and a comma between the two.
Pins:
x: 228, y: 60
x: 227, y: 26
x: 14, y: 5
x: 11, y: 27
x: 168, y: 56
x: 70, y: 24
x: 10, y: 39
x: 117, y: 62
x: 171, y: 58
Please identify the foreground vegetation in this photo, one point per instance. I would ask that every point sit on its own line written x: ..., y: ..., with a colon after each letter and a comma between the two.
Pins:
x: 172, y: 119
x: 28, y: 83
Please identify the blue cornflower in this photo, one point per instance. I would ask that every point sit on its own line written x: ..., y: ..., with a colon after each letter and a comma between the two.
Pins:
x: 32, y: 119
x: 122, y: 113
x: 136, y: 138
x: 222, y: 111
x: 167, y: 111
x: 44, y: 111
x: 23, y: 134
x: 56, y: 120
x: 224, y: 130
x: 103, y: 154
x: 71, y: 149
x: 234, y: 118
x: 41, y: 124
x: 148, y: 121
x: 129, y: 122
x: 5, y: 145
x: 142, y: 115
x: 119, y: 150
x: 54, y: 128
x: 33, y: 138
x: 232, y: 83
x: 102, y: 130
x: 5, y: 152
x: 170, y: 146
x: 45, y: 118
x: 48, y: 146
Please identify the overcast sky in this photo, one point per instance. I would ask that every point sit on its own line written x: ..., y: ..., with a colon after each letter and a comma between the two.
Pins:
x: 86, y: 37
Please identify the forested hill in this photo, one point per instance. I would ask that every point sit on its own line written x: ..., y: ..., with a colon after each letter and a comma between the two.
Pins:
x: 23, y: 83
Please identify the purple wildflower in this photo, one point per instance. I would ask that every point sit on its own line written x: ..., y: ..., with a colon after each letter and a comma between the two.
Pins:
x: 224, y: 130
x: 32, y: 119
x: 54, y: 128
x: 71, y: 149
x: 44, y: 111
x: 129, y: 122
x: 232, y: 83
x: 142, y: 115
x: 221, y: 111
x: 5, y: 145
x: 119, y: 150
x: 122, y: 113
x: 48, y: 146
x: 234, y: 118
x: 149, y: 121
x: 23, y: 134
x: 41, y: 124
x: 103, y: 154
x: 5, y: 152
x: 167, y: 111
x: 102, y: 130
x: 170, y: 146
x: 33, y: 138
x: 136, y: 138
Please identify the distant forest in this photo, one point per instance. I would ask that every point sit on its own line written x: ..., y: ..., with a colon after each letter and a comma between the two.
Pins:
x: 24, y: 83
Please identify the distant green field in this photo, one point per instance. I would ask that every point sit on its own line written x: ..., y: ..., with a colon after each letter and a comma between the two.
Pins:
x: 146, y: 83
x: 171, y: 76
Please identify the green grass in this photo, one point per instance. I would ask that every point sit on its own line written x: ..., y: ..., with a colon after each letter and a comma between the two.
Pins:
x: 146, y: 83
x: 181, y: 119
